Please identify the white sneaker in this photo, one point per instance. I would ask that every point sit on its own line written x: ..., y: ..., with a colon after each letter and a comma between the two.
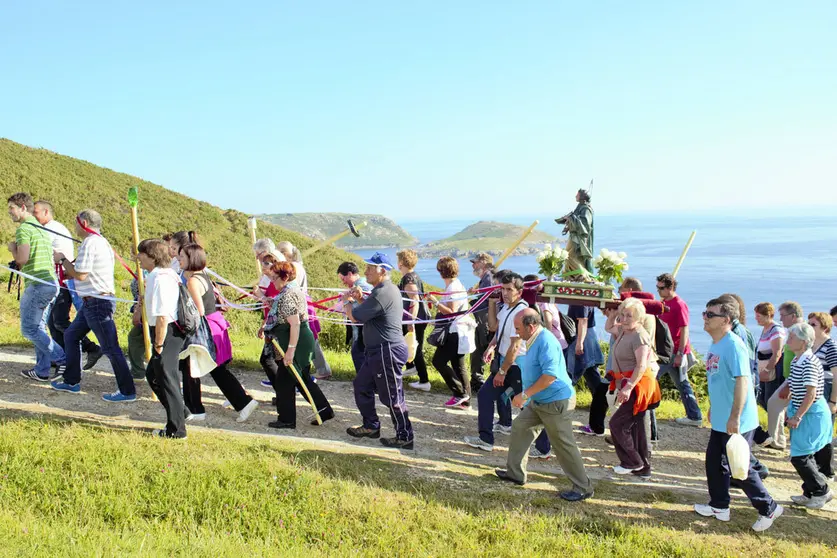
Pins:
x: 501, y: 429
x: 619, y: 470
x: 686, y: 421
x: 196, y: 417
x: 800, y: 500
x: 534, y: 453
x: 708, y: 511
x: 767, y: 442
x: 410, y: 371
x: 763, y: 523
x: 247, y: 410
x: 226, y: 404
x: 423, y: 386
x: 476, y: 442
x: 818, y: 502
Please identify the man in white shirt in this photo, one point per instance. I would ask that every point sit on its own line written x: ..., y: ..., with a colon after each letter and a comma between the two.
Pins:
x: 59, y: 317
x: 93, y: 274
x: 505, y: 374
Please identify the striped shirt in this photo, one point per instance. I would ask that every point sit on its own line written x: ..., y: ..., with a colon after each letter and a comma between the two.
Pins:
x: 40, y: 263
x: 95, y: 257
x: 765, y: 341
x: 806, y: 371
x: 827, y: 354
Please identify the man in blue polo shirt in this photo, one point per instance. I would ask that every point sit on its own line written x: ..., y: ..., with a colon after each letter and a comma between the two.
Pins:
x: 732, y: 410
x: 547, y: 400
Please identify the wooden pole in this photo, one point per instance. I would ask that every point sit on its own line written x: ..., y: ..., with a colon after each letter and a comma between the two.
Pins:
x: 331, y: 240
x: 251, y: 226
x: 514, y: 246
x: 133, y: 200
x: 683, y: 255
x: 301, y: 382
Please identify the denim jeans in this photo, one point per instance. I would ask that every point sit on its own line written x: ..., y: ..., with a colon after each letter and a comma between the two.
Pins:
x: 35, y: 304
x: 96, y: 315
x: 680, y: 377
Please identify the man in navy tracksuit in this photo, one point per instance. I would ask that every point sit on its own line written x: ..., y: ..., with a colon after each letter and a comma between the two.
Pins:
x: 386, y: 352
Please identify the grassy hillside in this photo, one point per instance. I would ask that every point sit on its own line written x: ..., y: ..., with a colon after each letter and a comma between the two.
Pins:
x: 486, y: 236
x: 111, y: 492
x: 380, y: 232
x: 72, y: 185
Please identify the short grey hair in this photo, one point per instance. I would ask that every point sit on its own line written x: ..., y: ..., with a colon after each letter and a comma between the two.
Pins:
x: 94, y: 220
x: 531, y: 319
x: 47, y: 206
x: 291, y: 251
x: 804, y: 333
x: 264, y: 245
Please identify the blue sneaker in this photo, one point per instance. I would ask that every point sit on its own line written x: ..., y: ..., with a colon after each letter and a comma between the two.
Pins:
x: 118, y: 397
x: 266, y: 383
x: 61, y: 386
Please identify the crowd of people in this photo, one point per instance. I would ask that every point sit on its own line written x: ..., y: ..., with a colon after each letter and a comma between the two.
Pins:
x: 535, y: 354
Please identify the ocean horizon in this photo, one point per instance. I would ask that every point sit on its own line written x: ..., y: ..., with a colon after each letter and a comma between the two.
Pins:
x: 762, y: 259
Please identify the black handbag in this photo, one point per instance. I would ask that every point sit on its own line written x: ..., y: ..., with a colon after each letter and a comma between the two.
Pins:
x: 439, y: 335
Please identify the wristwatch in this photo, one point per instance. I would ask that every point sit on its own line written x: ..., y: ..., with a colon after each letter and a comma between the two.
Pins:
x: 525, y: 397
x: 61, y: 261
x: 502, y: 372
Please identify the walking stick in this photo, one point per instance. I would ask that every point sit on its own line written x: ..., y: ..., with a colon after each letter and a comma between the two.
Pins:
x: 683, y: 255
x: 133, y: 200
x: 354, y: 229
x: 299, y: 379
x: 251, y: 226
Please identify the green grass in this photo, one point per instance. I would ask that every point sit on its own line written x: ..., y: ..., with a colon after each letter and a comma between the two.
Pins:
x: 109, y: 492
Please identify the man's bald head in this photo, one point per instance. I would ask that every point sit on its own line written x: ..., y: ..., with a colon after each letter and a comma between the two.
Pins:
x: 526, y: 323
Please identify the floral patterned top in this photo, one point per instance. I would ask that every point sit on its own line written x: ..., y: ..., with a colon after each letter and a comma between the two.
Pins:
x: 289, y: 302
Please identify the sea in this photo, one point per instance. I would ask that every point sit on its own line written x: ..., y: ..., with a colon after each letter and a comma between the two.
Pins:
x: 761, y: 258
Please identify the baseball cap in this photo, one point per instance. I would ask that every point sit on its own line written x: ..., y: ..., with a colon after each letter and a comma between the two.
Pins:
x: 380, y: 259
x: 484, y: 258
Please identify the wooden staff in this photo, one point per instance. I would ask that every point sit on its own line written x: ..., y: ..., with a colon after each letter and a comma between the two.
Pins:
x: 298, y: 379
x: 514, y: 246
x: 353, y: 229
x: 683, y: 255
x: 251, y: 226
x: 133, y: 200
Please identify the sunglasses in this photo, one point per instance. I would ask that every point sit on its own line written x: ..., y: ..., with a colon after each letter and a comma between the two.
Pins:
x: 813, y: 324
x: 661, y: 288
x: 709, y: 315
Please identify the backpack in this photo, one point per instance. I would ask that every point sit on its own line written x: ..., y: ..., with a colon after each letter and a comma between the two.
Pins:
x: 663, y: 342
x: 567, y: 326
x: 188, y: 317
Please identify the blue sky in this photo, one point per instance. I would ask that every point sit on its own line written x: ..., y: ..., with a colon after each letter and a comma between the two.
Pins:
x: 436, y: 109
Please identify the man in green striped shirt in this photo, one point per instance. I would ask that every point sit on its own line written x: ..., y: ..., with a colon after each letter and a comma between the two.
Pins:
x: 32, y: 252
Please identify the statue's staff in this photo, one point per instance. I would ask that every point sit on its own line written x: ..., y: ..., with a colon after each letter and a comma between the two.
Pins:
x: 683, y: 255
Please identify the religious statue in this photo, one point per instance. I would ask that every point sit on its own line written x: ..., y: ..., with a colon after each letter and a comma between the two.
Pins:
x: 579, y: 226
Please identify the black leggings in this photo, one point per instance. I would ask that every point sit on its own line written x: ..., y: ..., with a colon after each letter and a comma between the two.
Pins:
x: 451, y: 365
x: 418, y: 360
x: 224, y: 379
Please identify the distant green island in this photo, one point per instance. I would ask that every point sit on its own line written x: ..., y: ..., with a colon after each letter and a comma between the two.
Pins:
x: 380, y: 231
x: 486, y: 236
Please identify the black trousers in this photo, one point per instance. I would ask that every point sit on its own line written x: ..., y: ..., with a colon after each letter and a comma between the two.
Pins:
x: 451, y: 365
x: 59, y: 320
x: 224, y: 379
x: 418, y: 360
x: 823, y: 459
x: 482, y: 337
x: 163, y: 377
x: 285, y: 384
x: 814, y: 482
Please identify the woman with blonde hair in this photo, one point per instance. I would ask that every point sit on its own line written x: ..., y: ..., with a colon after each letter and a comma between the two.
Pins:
x: 413, y: 290
x: 636, y: 382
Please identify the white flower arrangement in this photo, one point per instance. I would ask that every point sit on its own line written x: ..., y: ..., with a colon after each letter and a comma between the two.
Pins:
x: 610, y: 265
x: 551, y: 261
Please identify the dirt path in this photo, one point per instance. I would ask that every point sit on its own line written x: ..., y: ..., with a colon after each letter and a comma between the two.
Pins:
x: 677, y: 463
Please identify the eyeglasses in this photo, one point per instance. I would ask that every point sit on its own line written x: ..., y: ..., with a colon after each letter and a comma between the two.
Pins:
x: 709, y: 315
x: 662, y: 288
x: 813, y: 324
x: 265, y: 262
